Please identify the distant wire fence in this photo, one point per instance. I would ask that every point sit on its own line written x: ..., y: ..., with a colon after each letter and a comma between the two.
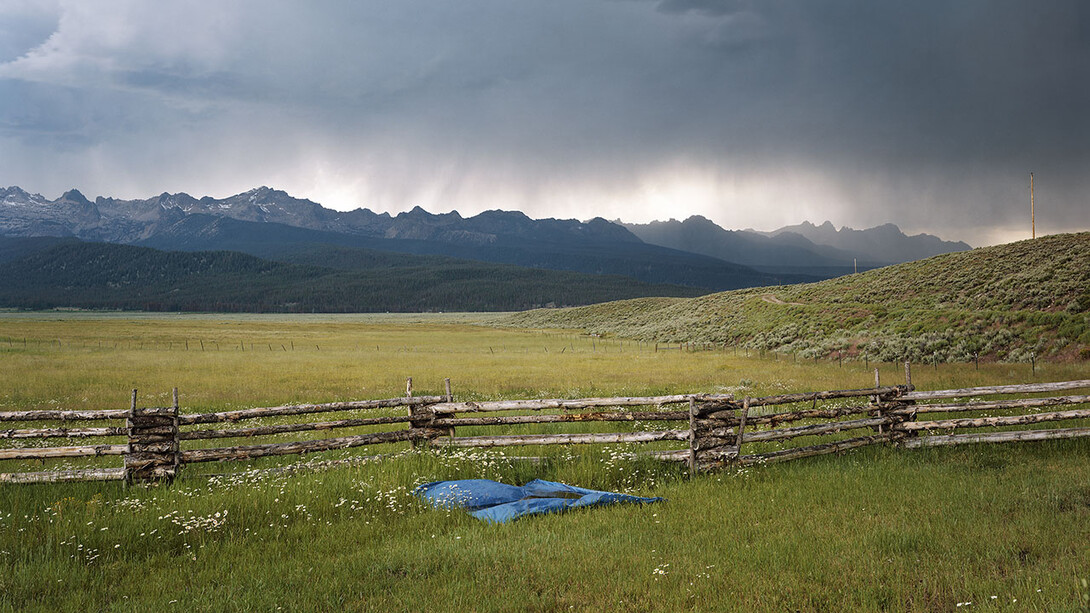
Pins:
x: 555, y: 343
x: 159, y: 441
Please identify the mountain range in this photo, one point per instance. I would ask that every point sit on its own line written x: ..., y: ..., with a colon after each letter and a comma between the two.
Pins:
x: 271, y: 224
x: 817, y: 250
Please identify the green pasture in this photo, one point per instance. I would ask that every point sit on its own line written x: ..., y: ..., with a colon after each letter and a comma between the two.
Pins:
x: 1004, y: 528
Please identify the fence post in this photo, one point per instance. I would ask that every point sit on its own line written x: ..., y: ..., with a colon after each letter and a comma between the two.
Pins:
x: 422, y: 416
x: 694, y: 431
x: 877, y: 400
x: 174, y: 432
x: 153, y: 452
x: 741, y: 428
x: 710, y: 440
x: 450, y: 398
x: 129, y: 432
x: 414, y: 411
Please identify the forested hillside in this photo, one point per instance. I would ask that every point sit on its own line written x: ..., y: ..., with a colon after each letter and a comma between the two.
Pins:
x: 108, y: 276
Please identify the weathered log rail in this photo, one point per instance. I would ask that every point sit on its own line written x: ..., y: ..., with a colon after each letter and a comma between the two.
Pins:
x: 63, y: 415
x: 304, y: 409
x: 505, y: 440
x: 583, y: 403
x: 993, y: 390
x: 249, y: 452
x: 714, y: 428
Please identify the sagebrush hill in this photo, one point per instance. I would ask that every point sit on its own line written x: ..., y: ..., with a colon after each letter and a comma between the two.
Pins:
x: 1008, y: 303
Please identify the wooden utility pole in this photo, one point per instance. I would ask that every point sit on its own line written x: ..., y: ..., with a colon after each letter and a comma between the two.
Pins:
x: 1032, y: 212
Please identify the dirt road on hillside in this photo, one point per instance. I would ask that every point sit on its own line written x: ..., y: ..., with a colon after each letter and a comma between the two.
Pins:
x: 769, y: 298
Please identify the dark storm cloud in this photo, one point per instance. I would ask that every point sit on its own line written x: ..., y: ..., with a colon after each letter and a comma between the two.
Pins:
x: 926, y: 114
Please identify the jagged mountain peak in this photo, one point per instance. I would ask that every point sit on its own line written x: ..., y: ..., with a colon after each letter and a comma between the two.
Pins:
x: 502, y: 214
x: 180, y: 200
x: 417, y: 211
x: 74, y: 195
x: 16, y: 197
x: 698, y: 219
x: 265, y: 193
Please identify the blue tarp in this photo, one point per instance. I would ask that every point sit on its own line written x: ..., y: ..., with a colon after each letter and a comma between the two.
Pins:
x: 498, y: 502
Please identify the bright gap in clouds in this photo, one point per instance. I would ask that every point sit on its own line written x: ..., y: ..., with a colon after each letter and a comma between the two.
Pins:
x: 733, y: 202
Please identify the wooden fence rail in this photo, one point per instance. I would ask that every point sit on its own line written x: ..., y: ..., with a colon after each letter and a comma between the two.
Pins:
x: 564, y: 439
x: 63, y: 415
x: 62, y: 432
x: 713, y: 427
x: 193, y: 435
x: 303, y: 409
x: 40, y: 453
x: 1023, y: 388
x: 1027, y: 403
x: 583, y: 403
x: 997, y: 437
x: 563, y: 418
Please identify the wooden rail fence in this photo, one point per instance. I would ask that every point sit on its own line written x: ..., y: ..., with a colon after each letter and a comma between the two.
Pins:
x: 158, y: 441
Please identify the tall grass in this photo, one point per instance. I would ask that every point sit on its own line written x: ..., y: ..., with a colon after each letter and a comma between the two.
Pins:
x: 878, y: 529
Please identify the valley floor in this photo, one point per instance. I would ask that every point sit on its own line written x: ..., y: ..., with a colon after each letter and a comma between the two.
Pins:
x: 1001, y: 527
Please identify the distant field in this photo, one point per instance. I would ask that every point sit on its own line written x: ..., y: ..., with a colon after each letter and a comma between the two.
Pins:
x: 216, y: 361
x: 882, y: 529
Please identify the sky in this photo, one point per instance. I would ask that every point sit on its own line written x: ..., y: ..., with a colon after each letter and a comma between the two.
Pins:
x: 760, y: 114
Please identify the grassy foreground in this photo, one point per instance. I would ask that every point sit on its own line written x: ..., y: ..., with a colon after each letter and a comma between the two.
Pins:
x: 1001, y: 527
x: 883, y: 530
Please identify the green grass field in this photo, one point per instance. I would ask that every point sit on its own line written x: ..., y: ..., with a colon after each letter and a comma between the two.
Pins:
x: 882, y: 529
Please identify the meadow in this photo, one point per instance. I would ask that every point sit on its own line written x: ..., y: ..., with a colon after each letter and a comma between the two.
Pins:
x: 982, y: 527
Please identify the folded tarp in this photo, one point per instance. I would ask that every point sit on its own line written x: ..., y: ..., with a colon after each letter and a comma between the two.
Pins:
x: 498, y: 502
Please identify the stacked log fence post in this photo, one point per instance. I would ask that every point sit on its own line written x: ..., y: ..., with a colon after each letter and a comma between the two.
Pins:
x: 713, y: 439
x: 422, y: 425
x: 153, y: 452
